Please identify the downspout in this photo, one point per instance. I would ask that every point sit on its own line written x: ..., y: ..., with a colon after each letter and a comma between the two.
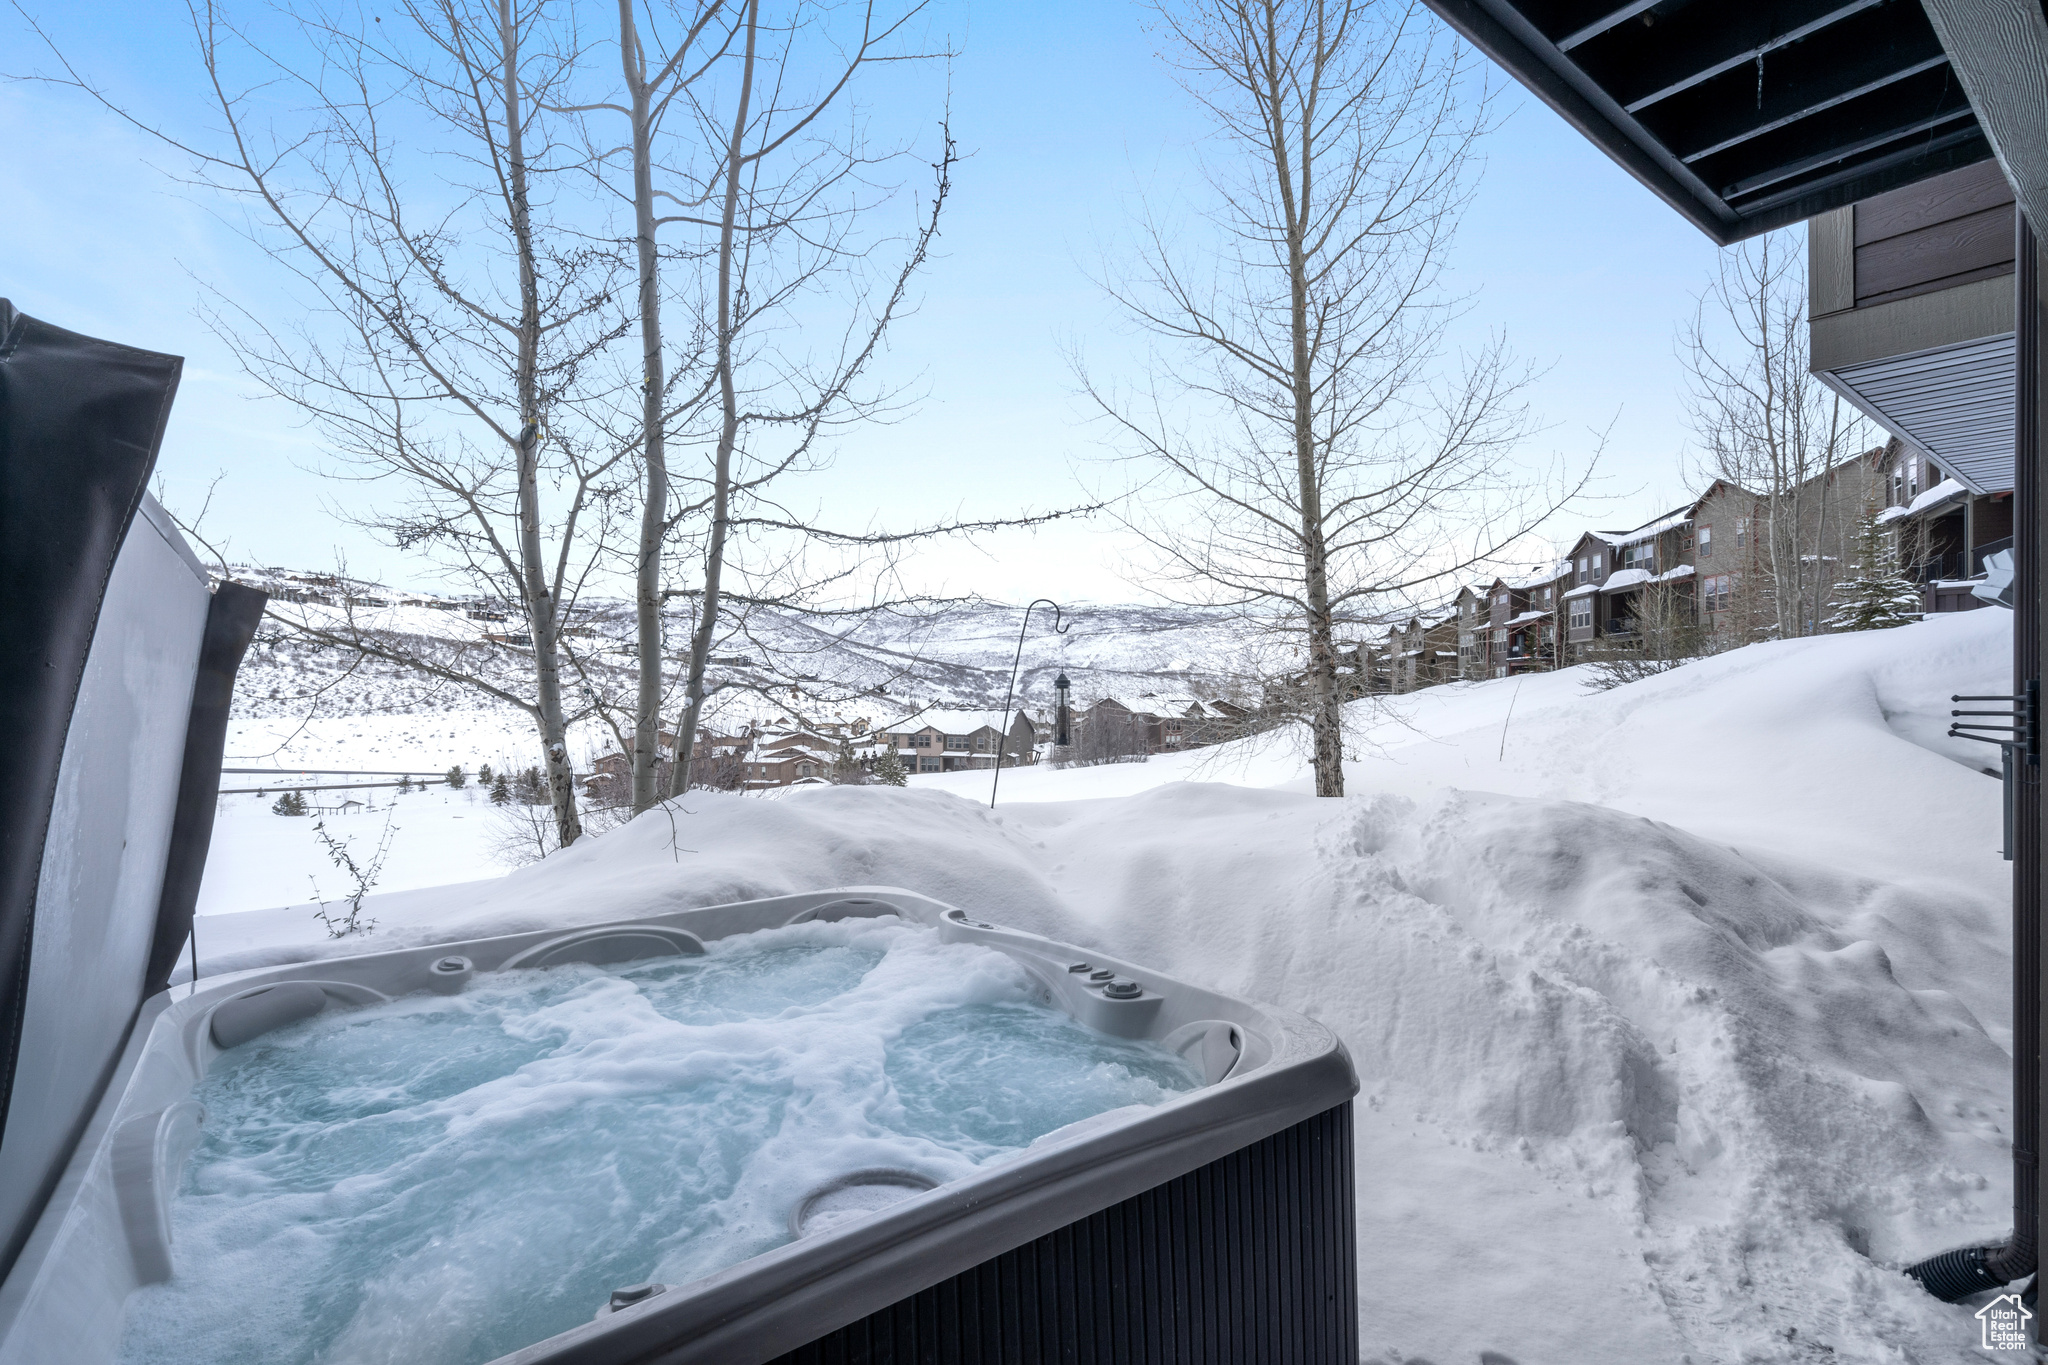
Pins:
x: 1955, y: 1275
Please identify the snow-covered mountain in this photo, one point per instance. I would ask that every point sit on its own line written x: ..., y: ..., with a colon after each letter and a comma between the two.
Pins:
x: 773, y: 667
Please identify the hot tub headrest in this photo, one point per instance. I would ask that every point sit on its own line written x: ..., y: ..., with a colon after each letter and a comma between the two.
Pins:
x: 257, y: 1013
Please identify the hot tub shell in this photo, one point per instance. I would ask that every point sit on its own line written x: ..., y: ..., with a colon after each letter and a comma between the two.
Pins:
x: 1216, y: 1226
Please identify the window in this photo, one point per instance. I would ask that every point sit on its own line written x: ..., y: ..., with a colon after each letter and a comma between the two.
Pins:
x: 1501, y: 600
x: 1582, y: 614
x: 1640, y: 556
x: 1706, y: 542
x: 929, y: 765
x: 1741, y: 532
x: 921, y: 741
x: 958, y: 742
x: 1716, y: 593
x: 1596, y: 566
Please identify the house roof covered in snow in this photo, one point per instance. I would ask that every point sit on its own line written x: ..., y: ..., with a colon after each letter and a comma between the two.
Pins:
x: 790, y: 746
x: 1623, y: 579
x: 1172, y: 704
x: 948, y: 722
x: 1540, y: 575
x: 1945, y: 491
x: 1670, y: 521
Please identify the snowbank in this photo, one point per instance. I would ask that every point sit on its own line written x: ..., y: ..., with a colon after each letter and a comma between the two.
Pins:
x: 1680, y: 1008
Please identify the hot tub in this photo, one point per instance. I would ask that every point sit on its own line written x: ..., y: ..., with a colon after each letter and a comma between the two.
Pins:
x: 1212, y: 1224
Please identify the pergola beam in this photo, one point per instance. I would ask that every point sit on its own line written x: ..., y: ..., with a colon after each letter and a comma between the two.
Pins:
x: 1602, y: 24
x: 1808, y: 131
x: 1747, y: 52
x: 1813, y: 105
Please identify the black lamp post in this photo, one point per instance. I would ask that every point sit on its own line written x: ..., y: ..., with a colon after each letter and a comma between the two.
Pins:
x: 1003, y: 740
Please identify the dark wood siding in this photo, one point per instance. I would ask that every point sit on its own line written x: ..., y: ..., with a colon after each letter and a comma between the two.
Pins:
x: 1941, y: 232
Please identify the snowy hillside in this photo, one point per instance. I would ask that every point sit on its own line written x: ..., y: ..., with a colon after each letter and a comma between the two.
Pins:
x: 296, y: 704
x: 1681, y: 1009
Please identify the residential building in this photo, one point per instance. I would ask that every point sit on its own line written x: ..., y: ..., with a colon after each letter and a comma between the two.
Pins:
x: 934, y: 741
x: 1186, y: 722
x: 1426, y: 650
x: 1518, y: 631
x: 1602, y: 586
x: 788, y: 760
x: 718, y: 762
x: 1943, y: 528
x: 1474, y: 633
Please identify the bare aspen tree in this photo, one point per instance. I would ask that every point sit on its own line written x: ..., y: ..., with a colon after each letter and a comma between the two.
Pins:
x: 783, y: 198
x: 777, y: 193
x: 443, y: 327
x: 652, y: 91
x: 1766, y: 424
x: 1668, y: 632
x: 1304, y: 451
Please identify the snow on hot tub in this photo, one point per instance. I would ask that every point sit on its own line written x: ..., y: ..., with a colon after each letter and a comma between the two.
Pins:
x: 716, y: 1135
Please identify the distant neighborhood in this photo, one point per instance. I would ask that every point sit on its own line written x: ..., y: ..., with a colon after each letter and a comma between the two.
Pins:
x: 933, y: 740
x: 1712, y: 568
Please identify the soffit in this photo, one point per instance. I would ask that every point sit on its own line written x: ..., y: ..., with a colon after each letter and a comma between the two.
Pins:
x: 1956, y: 403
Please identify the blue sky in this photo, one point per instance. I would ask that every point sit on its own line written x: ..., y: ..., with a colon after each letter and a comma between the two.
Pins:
x: 1064, y: 114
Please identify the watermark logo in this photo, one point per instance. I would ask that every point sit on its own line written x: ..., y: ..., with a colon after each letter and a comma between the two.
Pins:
x: 2005, y: 1323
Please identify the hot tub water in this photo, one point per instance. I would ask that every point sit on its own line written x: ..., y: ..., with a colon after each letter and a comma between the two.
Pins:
x: 449, y: 1178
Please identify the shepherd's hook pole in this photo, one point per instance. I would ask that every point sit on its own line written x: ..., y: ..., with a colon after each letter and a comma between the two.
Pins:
x: 1003, y: 739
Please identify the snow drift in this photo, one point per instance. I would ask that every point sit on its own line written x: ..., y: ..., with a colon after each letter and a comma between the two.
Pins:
x: 1681, y: 1009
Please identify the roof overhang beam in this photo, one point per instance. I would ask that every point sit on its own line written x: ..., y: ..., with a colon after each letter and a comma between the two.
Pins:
x: 1744, y: 118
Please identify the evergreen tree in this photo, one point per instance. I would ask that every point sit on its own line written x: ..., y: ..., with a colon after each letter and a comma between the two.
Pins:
x: 291, y: 803
x: 1880, y: 595
x: 405, y: 782
x: 485, y: 776
x: 530, y: 788
x: 889, y: 770
x: 455, y: 777
x: 501, y: 791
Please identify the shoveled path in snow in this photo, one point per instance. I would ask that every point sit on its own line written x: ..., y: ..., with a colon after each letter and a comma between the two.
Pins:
x: 1680, y: 1014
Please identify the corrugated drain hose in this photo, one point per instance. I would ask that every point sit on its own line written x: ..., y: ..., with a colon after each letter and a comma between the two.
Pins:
x: 1956, y: 1275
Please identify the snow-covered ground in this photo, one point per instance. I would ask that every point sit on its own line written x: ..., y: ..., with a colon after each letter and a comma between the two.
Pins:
x: 421, y: 741
x: 1681, y: 1009
x: 260, y: 859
